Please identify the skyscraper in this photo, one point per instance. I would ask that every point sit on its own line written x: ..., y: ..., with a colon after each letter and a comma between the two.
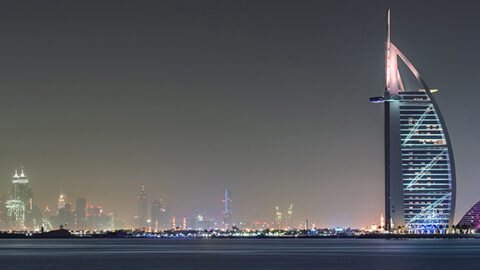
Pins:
x: 278, y: 217
x: 94, y: 216
x: 81, y: 214
x: 2, y: 213
x: 142, y: 208
x: 62, y: 200
x: 65, y: 214
x: 419, y: 165
x: 19, y: 204
x: 227, y: 210
x: 157, y: 215
x: 290, y: 215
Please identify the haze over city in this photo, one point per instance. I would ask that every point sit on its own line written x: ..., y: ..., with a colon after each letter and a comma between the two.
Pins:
x: 190, y: 98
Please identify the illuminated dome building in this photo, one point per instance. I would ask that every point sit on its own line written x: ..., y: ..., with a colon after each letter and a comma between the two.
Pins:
x: 472, y: 217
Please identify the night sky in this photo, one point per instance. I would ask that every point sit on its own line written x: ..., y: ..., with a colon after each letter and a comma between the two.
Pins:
x: 268, y: 99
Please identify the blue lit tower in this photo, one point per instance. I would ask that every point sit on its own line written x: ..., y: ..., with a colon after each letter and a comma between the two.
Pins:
x: 419, y: 165
x: 227, y: 209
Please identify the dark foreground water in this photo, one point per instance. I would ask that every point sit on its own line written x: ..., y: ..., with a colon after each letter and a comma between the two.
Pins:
x: 66, y: 254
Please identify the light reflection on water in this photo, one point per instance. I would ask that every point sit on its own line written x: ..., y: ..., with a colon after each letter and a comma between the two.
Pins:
x: 238, y: 254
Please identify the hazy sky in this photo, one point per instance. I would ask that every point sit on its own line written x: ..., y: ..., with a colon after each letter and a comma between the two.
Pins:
x: 266, y: 98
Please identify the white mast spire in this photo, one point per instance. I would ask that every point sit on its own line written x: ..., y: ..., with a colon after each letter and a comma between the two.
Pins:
x: 391, y: 69
x: 388, y: 27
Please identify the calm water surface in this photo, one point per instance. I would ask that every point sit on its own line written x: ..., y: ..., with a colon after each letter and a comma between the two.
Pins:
x: 225, y: 254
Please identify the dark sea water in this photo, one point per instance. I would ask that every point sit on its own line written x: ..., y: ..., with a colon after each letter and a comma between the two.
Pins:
x: 225, y: 254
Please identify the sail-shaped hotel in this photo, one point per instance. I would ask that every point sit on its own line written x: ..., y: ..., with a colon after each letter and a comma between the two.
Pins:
x: 419, y: 165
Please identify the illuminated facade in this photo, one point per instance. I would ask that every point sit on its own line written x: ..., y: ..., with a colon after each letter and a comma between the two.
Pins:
x: 62, y: 200
x: 19, y: 204
x: 419, y: 165
x: 227, y: 210
x: 472, y: 217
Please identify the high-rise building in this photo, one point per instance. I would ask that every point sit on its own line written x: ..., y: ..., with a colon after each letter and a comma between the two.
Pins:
x: 227, y: 210
x: 81, y: 214
x: 65, y: 214
x: 290, y: 215
x: 201, y: 222
x: 97, y: 219
x: 62, y: 201
x: 19, y: 204
x: 142, y: 208
x: 157, y: 215
x: 2, y: 214
x: 419, y: 166
x: 278, y: 217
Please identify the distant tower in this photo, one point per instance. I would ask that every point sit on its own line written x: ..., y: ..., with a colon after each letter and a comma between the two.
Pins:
x: 278, y: 217
x: 289, y: 215
x: 227, y: 210
x: 112, y: 216
x: 157, y: 214
x: 62, y: 200
x: 46, y: 212
x: 382, y: 222
x: 65, y: 216
x: 184, y: 227
x: 19, y: 202
x: 81, y: 214
x: 142, y: 208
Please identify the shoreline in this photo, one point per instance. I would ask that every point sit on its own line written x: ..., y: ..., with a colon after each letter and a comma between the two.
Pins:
x: 65, y: 234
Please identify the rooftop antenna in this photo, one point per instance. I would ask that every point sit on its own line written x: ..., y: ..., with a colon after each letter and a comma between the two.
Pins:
x: 387, y: 54
x: 391, y: 69
x: 388, y: 27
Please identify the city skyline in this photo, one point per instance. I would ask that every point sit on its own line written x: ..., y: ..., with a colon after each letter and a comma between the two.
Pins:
x: 152, y: 214
x: 261, y: 104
